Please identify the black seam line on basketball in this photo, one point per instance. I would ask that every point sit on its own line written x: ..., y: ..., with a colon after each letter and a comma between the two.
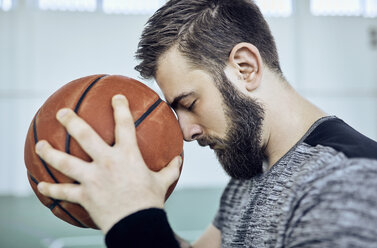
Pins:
x: 68, y: 137
x: 56, y: 203
x: 69, y: 214
x: 36, y: 140
x: 145, y: 115
x: 33, y: 178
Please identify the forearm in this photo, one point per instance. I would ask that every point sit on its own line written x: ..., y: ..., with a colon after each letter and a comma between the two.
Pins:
x: 146, y: 228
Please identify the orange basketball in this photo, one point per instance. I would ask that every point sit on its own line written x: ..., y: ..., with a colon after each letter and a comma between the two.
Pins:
x: 158, y: 133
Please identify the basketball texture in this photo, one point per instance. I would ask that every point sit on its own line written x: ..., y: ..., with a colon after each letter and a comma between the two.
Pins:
x: 158, y: 133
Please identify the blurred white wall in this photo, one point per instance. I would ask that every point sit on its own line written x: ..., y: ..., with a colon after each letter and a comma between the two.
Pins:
x: 330, y: 60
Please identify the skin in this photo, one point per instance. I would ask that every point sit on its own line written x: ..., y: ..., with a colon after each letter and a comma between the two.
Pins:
x: 281, y: 128
x: 206, y: 116
x: 287, y: 117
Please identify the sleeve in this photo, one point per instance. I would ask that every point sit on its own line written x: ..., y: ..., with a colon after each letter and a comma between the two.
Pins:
x: 338, y: 210
x: 217, y: 221
x: 145, y: 228
x: 223, y: 205
x: 230, y: 196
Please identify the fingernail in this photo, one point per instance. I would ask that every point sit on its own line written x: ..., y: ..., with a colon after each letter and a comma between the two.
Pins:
x: 180, y: 160
x: 61, y: 113
x: 41, y: 187
x: 40, y: 146
x: 118, y: 97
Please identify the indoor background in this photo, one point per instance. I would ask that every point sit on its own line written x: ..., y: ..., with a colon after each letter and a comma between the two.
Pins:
x: 328, y: 52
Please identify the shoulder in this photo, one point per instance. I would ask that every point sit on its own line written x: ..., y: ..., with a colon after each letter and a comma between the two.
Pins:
x: 334, y: 203
x: 336, y: 176
x: 334, y: 132
x: 331, y: 173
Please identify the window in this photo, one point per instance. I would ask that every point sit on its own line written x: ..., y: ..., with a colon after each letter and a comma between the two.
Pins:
x: 370, y: 8
x: 5, y: 5
x: 68, y: 5
x: 275, y: 8
x: 366, y: 8
x: 131, y: 7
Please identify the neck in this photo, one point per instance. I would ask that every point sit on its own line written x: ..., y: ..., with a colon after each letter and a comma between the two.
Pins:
x: 288, y: 116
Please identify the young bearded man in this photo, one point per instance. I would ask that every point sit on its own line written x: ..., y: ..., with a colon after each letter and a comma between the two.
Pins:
x: 217, y: 65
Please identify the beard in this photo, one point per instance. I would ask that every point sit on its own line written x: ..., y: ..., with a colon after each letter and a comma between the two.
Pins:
x: 240, y: 152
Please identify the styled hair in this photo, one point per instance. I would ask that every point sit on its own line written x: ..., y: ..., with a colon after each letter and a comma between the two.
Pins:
x: 205, y: 32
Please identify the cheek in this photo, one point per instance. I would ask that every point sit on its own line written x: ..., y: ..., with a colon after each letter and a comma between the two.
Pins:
x: 214, y: 120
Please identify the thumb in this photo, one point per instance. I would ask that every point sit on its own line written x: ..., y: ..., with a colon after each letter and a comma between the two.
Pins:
x: 171, y: 172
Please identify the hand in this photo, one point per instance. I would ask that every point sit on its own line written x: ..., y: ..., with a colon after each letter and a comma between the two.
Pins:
x: 117, y: 182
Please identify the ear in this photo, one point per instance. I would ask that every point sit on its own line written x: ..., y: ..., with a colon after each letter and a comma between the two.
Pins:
x: 246, y: 62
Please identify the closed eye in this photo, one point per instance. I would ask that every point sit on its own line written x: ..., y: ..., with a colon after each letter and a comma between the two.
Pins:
x: 191, y: 107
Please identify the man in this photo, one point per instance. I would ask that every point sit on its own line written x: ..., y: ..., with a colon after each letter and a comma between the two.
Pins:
x: 217, y: 65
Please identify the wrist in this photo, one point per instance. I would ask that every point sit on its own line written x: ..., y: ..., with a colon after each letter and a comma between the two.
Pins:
x: 111, y: 219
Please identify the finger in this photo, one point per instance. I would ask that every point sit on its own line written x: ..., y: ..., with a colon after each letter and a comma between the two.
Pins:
x: 61, y: 191
x: 171, y: 172
x: 88, y: 139
x: 69, y: 165
x: 124, y: 123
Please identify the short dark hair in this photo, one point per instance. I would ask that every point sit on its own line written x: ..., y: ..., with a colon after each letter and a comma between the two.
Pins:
x: 205, y: 31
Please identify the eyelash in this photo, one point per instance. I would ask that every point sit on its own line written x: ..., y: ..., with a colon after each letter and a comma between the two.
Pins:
x: 191, y: 107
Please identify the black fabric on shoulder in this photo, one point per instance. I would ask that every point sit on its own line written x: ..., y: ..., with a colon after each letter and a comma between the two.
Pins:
x: 145, y: 228
x: 343, y: 138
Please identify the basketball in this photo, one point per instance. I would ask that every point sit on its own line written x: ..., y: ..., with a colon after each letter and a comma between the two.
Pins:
x: 158, y: 133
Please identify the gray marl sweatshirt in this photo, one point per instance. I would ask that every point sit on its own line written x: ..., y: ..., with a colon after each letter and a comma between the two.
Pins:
x: 322, y: 193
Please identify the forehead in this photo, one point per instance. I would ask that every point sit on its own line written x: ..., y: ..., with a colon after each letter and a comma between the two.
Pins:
x: 175, y: 75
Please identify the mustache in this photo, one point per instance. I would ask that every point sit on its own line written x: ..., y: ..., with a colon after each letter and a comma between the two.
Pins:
x: 207, y: 140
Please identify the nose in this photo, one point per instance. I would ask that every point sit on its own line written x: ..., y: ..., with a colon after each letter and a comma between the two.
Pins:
x: 191, y: 131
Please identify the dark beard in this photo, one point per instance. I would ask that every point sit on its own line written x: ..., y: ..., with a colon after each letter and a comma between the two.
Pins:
x: 240, y: 152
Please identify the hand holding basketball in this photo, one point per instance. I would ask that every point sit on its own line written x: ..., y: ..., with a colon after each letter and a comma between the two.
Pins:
x: 117, y: 182
x: 104, y: 152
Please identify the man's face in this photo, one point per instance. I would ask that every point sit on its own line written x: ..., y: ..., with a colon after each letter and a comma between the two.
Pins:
x: 229, y: 122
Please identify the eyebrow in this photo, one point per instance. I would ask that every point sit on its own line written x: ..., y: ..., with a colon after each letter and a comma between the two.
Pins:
x: 178, y: 98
